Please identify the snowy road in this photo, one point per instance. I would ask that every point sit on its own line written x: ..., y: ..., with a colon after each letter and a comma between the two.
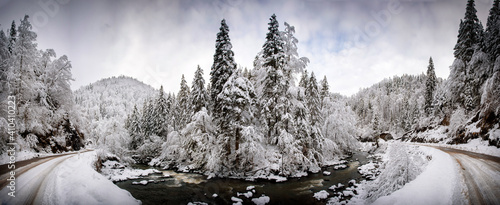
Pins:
x: 30, y: 177
x: 481, y: 174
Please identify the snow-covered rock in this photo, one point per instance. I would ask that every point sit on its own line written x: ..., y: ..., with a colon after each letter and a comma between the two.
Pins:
x: 262, y: 200
x: 321, y: 195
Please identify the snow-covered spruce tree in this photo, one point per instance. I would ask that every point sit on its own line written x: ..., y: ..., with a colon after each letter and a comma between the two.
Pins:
x: 239, y: 144
x: 469, y: 34
x: 304, y: 79
x: 147, y: 118
x: 4, y: 46
x: 183, y: 109
x: 430, y: 87
x: 133, y: 126
x: 198, y: 96
x: 324, y: 90
x: 200, y: 146
x: 12, y: 37
x: 171, y: 108
x: 222, y: 68
x: 275, y: 84
x: 313, y: 100
x: 492, y: 32
x: 160, y: 113
x: 4, y: 55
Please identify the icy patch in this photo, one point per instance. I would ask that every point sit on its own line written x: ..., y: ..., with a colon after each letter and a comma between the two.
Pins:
x: 327, y: 173
x: 321, y: 195
x: 261, y: 200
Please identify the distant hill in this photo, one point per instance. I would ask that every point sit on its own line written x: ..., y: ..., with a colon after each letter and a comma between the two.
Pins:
x: 105, y: 105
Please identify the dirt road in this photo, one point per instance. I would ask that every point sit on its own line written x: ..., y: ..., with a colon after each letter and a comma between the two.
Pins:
x: 481, y: 174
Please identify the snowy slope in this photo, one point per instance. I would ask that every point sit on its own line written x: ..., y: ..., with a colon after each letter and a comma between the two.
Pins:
x: 105, y: 105
x: 439, y: 183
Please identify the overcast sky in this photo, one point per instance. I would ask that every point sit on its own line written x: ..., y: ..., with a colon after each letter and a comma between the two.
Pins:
x: 355, y: 43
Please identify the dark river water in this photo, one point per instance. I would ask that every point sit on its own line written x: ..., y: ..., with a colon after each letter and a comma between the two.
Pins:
x: 183, y: 188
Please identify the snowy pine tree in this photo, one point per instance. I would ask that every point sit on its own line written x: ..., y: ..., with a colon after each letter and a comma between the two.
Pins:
x: 12, y: 37
x: 469, y: 34
x: 324, y: 91
x: 133, y: 126
x: 492, y: 33
x: 430, y: 87
x: 237, y: 99
x: 275, y: 83
x: 198, y: 96
x: 160, y: 114
x: 147, y: 119
x: 304, y: 79
x: 313, y: 100
x: 183, y: 105
x: 223, y: 66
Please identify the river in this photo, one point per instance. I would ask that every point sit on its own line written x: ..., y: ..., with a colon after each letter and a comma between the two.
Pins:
x: 183, y: 188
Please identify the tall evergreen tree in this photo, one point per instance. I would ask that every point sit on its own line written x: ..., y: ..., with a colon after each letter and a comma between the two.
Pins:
x: 198, y: 97
x: 313, y: 100
x: 160, y: 114
x: 304, y: 79
x: 430, y: 86
x: 273, y: 96
x: 4, y: 46
x: 13, y: 37
x: 133, y: 126
x: 183, y: 105
x: 469, y: 34
x: 492, y: 33
x: 147, y: 118
x: 237, y: 99
x: 325, y: 90
x: 223, y: 66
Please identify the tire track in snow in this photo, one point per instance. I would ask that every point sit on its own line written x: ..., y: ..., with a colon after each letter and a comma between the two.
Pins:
x: 30, y: 183
x: 481, y: 174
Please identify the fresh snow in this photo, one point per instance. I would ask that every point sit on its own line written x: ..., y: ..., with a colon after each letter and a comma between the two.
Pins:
x: 143, y: 182
x: 439, y: 183
x: 261, y: 200
x: 73, y: 181
x: 321, y: 195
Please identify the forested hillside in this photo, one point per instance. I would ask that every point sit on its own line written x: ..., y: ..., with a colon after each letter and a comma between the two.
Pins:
x: 425, y: 109
x: 104, y: 106
x: 37, y: 82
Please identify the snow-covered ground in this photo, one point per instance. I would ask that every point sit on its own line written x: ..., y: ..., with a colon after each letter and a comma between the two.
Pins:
x: 475, y: 145
x: 439, y: 183
x: 68, y: 180
x: 410, y: 174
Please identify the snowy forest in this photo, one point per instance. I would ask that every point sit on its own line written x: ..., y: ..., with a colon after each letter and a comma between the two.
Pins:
x: 275, y: 119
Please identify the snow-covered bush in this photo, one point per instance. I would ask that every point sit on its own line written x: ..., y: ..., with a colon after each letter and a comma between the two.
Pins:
x: 402, y: 164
